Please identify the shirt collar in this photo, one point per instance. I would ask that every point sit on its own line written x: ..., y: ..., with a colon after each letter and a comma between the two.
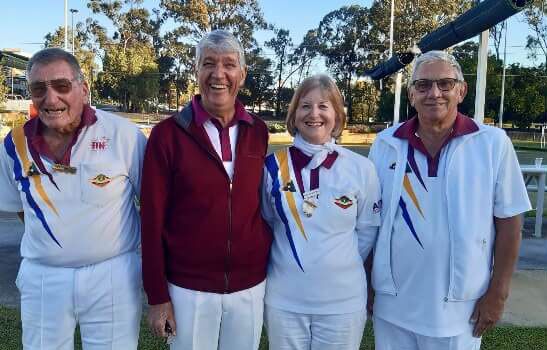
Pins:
x: 34, y: 129
x: 300, y: 160
x: 201, y: 115
x: 463, y: 125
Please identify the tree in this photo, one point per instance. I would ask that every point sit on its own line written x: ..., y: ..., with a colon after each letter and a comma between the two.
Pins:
x: 3, y: 87
x: 345, y: 45
x: 524, y: 95
x: 197, y: 17
x: 285, y: 96
x: 132, y: 25
x: 258, y: 85
x: 496, y: 33
x: 130, y: 76
x: 303, y: 55
x: 84, y: 56
x: 534, y: 16
x: 365, y: 104
x: 536, y: 43
x: 281, y: 44
x: 385, y: 106
x: 467, y: 57
x: 130, y: 66
x: 413, y: 20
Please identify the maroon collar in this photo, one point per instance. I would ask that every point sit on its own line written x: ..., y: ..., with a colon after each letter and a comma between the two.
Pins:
x: 300, y: 159
x: 34, y: 129
x: 201, y: 115
x: 463, y: 125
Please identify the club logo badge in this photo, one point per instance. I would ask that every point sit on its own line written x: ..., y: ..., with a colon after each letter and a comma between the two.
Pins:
x: 100, y: 180
x: 343, y: 202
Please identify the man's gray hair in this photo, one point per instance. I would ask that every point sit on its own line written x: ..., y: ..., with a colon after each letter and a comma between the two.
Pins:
x: 55, y: 54
x: 220, y: 41
x: 436, y: 56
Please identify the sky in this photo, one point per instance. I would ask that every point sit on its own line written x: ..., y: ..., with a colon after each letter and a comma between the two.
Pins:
x: 25, y: 22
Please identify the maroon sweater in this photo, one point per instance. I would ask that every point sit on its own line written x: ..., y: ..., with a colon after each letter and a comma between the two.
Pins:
x: 201, y: 231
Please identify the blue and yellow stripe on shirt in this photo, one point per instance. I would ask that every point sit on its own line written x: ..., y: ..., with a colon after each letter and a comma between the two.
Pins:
x: 15, y: 145
x: 277, y: 164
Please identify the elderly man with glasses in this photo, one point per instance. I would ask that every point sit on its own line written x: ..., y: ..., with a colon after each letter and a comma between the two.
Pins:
x: 205, y: 245
x: 452, y: 193
x: 74, y: 172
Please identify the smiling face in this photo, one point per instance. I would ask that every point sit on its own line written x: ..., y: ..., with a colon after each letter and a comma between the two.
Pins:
x: 58, y: 111
x: 435, y: 106
x: 219, y: 77
x: 315, y: 117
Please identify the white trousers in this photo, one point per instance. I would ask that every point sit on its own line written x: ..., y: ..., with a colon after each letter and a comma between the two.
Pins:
x: 391, y: 337
x: 295, y: 331
x: 104, y: 298
x: 212, y: 321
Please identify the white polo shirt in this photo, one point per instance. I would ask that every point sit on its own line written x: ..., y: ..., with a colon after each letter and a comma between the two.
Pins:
x: 316, y: 263
x: 434, y: 253
x: 421, y: 254
x: 80, y: 218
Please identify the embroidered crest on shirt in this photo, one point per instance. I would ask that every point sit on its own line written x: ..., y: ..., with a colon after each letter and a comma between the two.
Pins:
x: 392, y: 166
x: 343, y: 202
x: 100, y: 180
x: 33, y: 170
x: 99, y: 144
x: 289, y: 187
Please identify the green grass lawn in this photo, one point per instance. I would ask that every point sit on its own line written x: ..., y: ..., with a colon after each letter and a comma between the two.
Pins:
x: 501, y: 338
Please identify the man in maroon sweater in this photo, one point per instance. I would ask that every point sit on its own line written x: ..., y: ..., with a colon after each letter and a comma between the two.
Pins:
x: 204, y: 244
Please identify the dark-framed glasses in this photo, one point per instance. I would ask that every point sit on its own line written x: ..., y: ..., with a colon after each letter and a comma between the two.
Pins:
x: 39, y: 88
x: 444, y: 84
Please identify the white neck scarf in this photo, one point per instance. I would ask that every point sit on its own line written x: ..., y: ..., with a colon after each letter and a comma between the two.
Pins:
x: 318, y: 152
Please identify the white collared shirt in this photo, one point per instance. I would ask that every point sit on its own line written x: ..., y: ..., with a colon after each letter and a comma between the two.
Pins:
x: 78, y: 219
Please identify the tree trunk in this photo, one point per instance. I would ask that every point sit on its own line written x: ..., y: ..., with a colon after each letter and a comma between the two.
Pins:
x: 350, y: 100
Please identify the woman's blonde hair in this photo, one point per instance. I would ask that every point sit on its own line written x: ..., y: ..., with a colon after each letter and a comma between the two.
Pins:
x: 330, y: 91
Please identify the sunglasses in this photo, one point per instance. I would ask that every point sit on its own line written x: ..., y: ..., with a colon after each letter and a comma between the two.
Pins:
x: 38, y: 89
x: 424, y: 85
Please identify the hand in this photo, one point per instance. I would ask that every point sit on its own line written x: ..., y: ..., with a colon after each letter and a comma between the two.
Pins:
x: 159, y: 317
x: 488, y: 311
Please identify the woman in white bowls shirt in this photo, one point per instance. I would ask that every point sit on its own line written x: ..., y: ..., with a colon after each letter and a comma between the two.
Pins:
x: 322, y: 202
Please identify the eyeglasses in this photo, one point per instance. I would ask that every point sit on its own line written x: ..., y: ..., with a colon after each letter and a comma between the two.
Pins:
x: 445, y: 84
x: 38, y: 89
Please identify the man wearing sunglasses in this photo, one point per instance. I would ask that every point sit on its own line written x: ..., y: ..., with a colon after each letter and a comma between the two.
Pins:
x: 452, y: 192
x: 74, y: 173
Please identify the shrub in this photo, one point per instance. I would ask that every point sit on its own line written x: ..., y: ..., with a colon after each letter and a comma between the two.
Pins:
x: 276, y: 127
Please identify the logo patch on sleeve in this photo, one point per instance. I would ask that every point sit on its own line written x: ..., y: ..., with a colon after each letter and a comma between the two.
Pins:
x: 376, y: 207
x: 343, y: 202
x: 100, y: 180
